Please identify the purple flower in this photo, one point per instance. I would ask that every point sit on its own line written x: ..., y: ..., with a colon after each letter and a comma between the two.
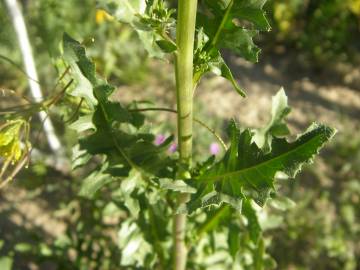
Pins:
x: 159, y: 139
x: 214, y: 148
x: 172, y: 147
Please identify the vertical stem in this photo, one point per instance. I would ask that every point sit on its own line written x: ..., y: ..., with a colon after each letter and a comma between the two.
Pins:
x: 184, y: 90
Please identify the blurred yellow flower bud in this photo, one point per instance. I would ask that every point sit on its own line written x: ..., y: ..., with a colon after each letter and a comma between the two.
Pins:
x: 101, y: 16
x: 354, y: 6
x: 10, y: 148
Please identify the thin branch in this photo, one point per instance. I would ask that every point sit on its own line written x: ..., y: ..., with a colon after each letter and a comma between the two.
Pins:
x: 22, y: 108
x: 168, y: 39
x: 16, y: 170
x: 217, y: 136
x: 153, y: 109
x: 61, y: 77
x: 212, y: 131
x: 4, y: 167
x: 14, y: 93
x: 57, y: 97
x: 222, y: 24
x: 17, y: 67
x: 72, y: 117
x: 37, y: 106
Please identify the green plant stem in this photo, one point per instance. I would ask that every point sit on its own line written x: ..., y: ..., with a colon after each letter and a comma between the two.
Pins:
x: 185, y: 34
x: 222, y: 24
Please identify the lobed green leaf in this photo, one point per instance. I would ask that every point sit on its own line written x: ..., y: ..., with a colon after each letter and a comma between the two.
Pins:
x: 276, y: 126
x: 247, y: 171
x: 83, y: 70
x: 230, y: 24
x: 227, y: 27
x: 111, y: 130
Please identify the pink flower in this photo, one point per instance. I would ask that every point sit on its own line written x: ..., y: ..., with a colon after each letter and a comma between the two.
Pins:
x: 172, y: 147
x: 159, y: 139
x: 214, y: 148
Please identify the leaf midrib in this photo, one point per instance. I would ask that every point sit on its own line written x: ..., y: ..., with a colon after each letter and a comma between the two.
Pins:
x: 260, y: 164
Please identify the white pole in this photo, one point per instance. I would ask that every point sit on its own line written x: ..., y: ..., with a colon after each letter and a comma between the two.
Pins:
x: 28, y: 59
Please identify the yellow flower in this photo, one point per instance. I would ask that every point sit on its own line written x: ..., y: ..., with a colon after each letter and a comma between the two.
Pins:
x: 354, y: 6
x: 10, y: 148
x: 101, y: 16
x: 284, y: 16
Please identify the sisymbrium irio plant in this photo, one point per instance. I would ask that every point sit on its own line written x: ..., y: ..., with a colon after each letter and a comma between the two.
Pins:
x: 179, y: 214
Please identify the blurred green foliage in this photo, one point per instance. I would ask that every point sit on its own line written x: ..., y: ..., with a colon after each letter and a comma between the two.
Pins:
x: 116, y: 49
x: 323, y: 230
x: 325, y: 29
